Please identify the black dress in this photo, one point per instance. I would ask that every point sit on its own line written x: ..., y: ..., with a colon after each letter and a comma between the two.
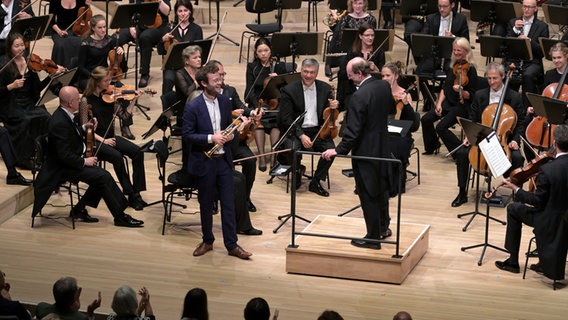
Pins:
x: 65, y: 50
x: 93, y: 53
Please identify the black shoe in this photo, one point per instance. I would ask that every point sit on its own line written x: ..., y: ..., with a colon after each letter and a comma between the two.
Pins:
x: 537, y: 267
x: 136, y: 202
x: 508, y: 266
x: 126, y: 220
x: 127, y: 133
x: 299, y: 175
x: 316, y: 187
x: 18, y: 179
x: 386, y: 234
x: 533, y: 254
x: 251, y: 207
x: 251, y: 232
x: 143, y: 83
x: 82, y: 215
x: 459, y: 200
x: 436, y: 150
x: 365, y: 244
x: 215, y: 207
x: 328, y: 72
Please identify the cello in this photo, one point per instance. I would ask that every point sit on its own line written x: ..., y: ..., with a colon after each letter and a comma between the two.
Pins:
x: 502, y: 118
x: 539, y: 130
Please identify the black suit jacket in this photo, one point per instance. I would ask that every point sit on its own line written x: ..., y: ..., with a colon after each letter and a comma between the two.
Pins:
x: 18, y: 5
x: 292, y: 104
x: 538, y: 29
x: 459, y: 26
x: 366, y: 132
x: 551, y: 208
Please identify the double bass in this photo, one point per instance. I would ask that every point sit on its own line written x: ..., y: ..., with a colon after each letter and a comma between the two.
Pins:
x: 502, y: 118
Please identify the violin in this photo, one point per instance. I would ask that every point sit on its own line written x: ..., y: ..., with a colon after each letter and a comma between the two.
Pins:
x: 173, y: 41
x: 37, y: 64
x: 115, y: 60
x: 158, y: 20
x: 460, y: 71
x: 85, y: 113
x: 81, y: 24
x: 400, y: 104
x: 539, y: 130
x: 113, y: 93
x: 522, y: 175
x: 329, y: 129
x: 246, y: 132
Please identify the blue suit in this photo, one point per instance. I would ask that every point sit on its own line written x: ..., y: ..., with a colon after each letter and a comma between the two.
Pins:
x: 214, y: 176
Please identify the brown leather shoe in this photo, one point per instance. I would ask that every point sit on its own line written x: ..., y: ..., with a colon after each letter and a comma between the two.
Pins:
x: 239, y: 253
x: 202, y: 249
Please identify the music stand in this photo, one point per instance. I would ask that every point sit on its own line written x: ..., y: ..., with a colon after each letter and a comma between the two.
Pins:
x: 55, y: 84
x: 338, y: 5
x: 218, y: 31
x: 135, y: 15
x: 162, y: 123
x: 552, y: 109
x: 294, y: 44
x: 546, y: 44
x: 33, y: 28
x: 421, y: 8
x: 555, y: 14
x: 173, y: 59
x: 505, y: 47
x: 382, y: 36
x: 283, y: 218
x: 475, y: 133
x: 494, y: 12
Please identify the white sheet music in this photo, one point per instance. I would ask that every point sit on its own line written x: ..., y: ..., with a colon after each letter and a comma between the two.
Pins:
x: 494, y: 155
x: 394, y: 129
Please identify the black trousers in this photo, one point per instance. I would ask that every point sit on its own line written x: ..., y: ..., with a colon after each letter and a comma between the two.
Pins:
x: 442, y: 129
x: 101, y: 184
x: 517, y: 214
x: 147, y: 39
x: 7, y: 151
x: 241, y: 210
x: 241, y: 150
x: 319, y: 145
x: 375, y: 207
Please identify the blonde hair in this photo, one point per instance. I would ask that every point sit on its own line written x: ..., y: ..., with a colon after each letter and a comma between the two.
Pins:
x: 350, y: 5
x: 463, y: 43
x: 97, y: 75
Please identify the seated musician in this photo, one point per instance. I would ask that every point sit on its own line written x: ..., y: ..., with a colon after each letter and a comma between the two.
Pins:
x: 147, y: 37
x: 10, y: 12
x: 113, y: 148
x: 186, y: 31
x: 449, y: 105
x: 545, y: 210
x: 400, y: 146
x: 66, y: 43
x: 20, y: 89
x: 312, y: 96
x: 185, y: 77
x: 495, y: 74
x: 529, y: 27
x: 259, y: 71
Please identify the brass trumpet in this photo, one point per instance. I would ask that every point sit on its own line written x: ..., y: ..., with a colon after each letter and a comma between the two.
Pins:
x: 228, y: 131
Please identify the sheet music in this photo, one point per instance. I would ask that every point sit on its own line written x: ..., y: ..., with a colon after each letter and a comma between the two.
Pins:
x: 494, y: 155
x: 394, y: 129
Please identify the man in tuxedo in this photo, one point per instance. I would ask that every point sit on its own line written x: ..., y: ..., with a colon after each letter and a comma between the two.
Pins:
x: 204, y: 121
x: 65, y: 160
x: 546, y: 210
x: 312, y: 96
x: 495, y: 73
x: 10, y: 12
x: 366, y: 134
x: 529, y: 27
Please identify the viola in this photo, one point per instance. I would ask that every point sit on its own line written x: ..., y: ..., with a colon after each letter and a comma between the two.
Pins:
x: 158, y: 20
x: 85, y: 113
x: 81, y: 24
x: 460, y: 71
x: 400, y: 104
x: 37, y: 64
x: 329, y: 129
x: 173, y: 41
x: 115, y: 60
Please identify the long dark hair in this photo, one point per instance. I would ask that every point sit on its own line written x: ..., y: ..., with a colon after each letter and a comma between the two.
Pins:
x: 12, y: 68
x: 195, y: 305
x: 187, y: 4
x: 358, y: 43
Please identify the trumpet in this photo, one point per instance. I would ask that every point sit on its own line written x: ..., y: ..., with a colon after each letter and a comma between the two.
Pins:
x: 228, y: 131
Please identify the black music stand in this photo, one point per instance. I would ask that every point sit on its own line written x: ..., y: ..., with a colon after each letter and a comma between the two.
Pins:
x: 552, y: 109
x: 173, y: 59
x: 475, y: 133
x: 135, y: 15
x: 493, y: 12
x: 382, y: 36
x: 422, y: 8
x: 294, y: 44
x: 555, y: 14
x: 338, y: 5
x: 218, y: 31
x: 162, y: 123
x: 546, y: 44
x: 291, y: 130
x: 506, y: 48
x: 55, y: 84
x: 33, y: 28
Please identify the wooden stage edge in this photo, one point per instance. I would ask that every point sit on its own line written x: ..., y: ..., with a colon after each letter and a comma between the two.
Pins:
x: 337, y: 258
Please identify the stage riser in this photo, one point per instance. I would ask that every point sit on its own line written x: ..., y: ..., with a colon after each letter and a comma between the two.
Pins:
x: 15, y: 199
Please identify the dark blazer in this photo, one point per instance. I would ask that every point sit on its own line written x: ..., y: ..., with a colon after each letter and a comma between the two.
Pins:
x: 550, y: 225
x: 366, y: 132
x: 235, y: 100
x: 538, y: 29
x: 459, y: 26
x: 197, y: 126
x: 292, y: 104
x: 18, y: 5
x: 512, y: 98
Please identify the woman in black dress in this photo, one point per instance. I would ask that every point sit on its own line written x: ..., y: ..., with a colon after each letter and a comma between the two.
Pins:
x: 65, y: 44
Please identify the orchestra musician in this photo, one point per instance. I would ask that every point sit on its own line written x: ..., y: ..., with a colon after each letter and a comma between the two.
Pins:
x: 114, y: 148
x: 259, y: 71
x: 449, y: 106
x: 185, y: 77
x: 186, y: 31
x: 495, y: 73
x: 313, y: 96
x: 146, y: 37
x: 528, y: 26
x: 20, y: 89
x: 65, y: 43
x: 545, y: 210
x: 9, y: 157
x: 11, y: 11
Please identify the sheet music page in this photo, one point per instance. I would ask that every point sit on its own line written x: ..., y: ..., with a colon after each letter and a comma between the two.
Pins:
x: 394, y: 129
x: 494, y: 155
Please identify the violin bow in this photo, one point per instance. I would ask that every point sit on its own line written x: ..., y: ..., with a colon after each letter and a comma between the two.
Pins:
x: 23, y: 9
x: 217, y: 35
x: 379, y: 47
x: 262, y: 155
x: 78, y: 18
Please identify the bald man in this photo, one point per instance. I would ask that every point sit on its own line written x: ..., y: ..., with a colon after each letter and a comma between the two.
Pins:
x: 65, y: 161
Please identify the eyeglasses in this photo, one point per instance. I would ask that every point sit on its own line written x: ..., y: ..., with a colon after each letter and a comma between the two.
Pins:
x: 528, y: 7
x: 444, y: 6
x: 368, y: 35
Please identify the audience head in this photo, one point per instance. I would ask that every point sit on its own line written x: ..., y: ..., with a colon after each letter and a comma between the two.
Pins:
x: 365, y: 36
x: 330, y: 315
x: 262, y: 50
x: 192, y: 56
x: 461, y: 50
x: 358, y: 69
x: 124, y: 302
x: 257, y: 309
x: 97, y: 26
x: 99, y: 78
x: 195, y: 305
x: 66, y: 292
x: 357, y: 6
x: 559, y: 54
x: 561, y: 138
x: 495, y: 73
x: 183, y: 9
x: 402, y: 315
x: 392, y: 71
x: 309, y: 71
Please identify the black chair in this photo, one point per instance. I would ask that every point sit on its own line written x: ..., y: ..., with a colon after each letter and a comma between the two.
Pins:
x: 258, y: 30
x: 72, y: 187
